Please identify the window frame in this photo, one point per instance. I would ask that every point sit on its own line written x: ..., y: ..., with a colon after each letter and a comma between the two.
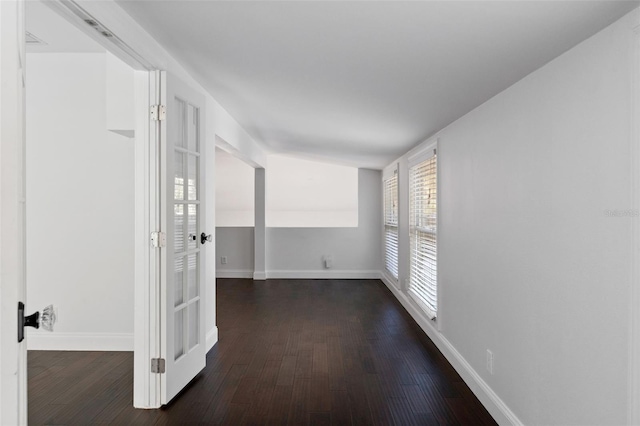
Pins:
x: 424, y: 153
x: 392, y: 173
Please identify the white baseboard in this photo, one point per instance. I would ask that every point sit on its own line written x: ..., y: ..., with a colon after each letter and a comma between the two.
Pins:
x: 325, y: 274
x: 212, y: 338
x: 57, y: 341
x: 492, y: 402
x: 234, y: 273
x: 298, y: 274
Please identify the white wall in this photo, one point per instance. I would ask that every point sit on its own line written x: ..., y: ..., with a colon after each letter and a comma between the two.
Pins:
x: 222, y: 129
x: 120, y: 96
x: 356, y: 252
x: 80, y: 206
x: 530, y: 264
x: 234, y: 191
x: 302, y: 193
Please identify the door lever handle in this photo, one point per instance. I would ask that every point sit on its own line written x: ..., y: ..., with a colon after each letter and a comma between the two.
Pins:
x: 46, y: 319
x: 204, y: 238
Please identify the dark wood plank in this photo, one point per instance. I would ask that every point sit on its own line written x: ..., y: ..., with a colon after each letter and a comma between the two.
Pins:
x: 296, y: 352
x: 287, y: 371
x: 358, y: 403
x: 340, y: 411
x: 235, y: 414
x: 320, y: 393
x: 305, y: 364
x: 378, y: 403
x: 320, y: 419
x: 279, y: 412
x: 320, y: 359
x: 300, y: 402
x: 401, y: 412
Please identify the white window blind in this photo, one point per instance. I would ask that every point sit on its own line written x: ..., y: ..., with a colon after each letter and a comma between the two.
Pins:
x: 423, y: 284
x: 391, y: 224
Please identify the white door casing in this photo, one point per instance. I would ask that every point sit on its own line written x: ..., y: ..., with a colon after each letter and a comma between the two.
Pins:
x: 13, y: 355
x: 183, y: 343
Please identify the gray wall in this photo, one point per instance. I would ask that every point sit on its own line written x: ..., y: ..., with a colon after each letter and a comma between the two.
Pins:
x: 356, y: 252
x: 298, y: 252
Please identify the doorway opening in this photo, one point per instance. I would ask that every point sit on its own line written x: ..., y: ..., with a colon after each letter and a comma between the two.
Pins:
x: 80, y: 216
x: 235, y: 216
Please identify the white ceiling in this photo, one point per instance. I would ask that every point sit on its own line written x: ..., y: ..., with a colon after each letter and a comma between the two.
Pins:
x: 57, y: 34
x: 362, y: 82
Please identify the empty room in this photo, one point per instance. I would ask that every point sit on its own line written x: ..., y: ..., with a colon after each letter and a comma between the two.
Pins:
x: 320, y: 212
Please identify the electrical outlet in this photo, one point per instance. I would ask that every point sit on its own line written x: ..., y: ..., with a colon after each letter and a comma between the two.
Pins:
x: 328, y: 261
x: 223, y: 260
x: 490, y: 362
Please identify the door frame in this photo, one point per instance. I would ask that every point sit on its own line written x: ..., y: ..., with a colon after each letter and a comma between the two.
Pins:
x: 13, y: 355
x: 133, y: 45
x: 146, y: 385
x: 634, y: 291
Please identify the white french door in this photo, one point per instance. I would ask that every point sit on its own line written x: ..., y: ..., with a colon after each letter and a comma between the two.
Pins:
x: 183, y: 345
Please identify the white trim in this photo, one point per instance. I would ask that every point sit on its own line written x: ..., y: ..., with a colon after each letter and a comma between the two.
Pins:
x: 76, y: 15
x: 13, y: 355
x: 390, y: 170
x: 259, y: 276
x: 491, y: 401
x: 390, y: 278
x: 60, y: 341
x: 146, y: 386
x: 634, y: 296
x: 234, y: 273
x: 426, y: 310
x: 441, y: 290
x: 422, y: 152
x: 212, y: 338
x: 325, y: 274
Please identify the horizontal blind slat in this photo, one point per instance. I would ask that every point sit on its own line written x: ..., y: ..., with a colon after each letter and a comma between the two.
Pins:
x: 391, y: 225
x: 423, y: 234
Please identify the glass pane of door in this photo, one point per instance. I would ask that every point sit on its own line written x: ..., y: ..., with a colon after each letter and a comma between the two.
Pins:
x: 187, y: 224
x: 183, y: 334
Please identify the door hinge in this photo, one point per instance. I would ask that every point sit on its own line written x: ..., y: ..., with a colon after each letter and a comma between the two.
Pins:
x: 158, y: 239
x: 158, y: 112
x: 157, y: 365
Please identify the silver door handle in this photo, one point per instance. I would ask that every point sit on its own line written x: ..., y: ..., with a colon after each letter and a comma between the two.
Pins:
x: 205, y: 238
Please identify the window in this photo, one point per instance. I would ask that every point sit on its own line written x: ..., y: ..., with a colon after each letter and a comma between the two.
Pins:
x: 235, y: 191
x: 310, y: 194
x: 391, y: 224
x: 423, y: 283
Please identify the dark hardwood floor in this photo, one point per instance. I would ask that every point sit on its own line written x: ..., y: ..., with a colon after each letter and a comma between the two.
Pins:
x: 290, y: 352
